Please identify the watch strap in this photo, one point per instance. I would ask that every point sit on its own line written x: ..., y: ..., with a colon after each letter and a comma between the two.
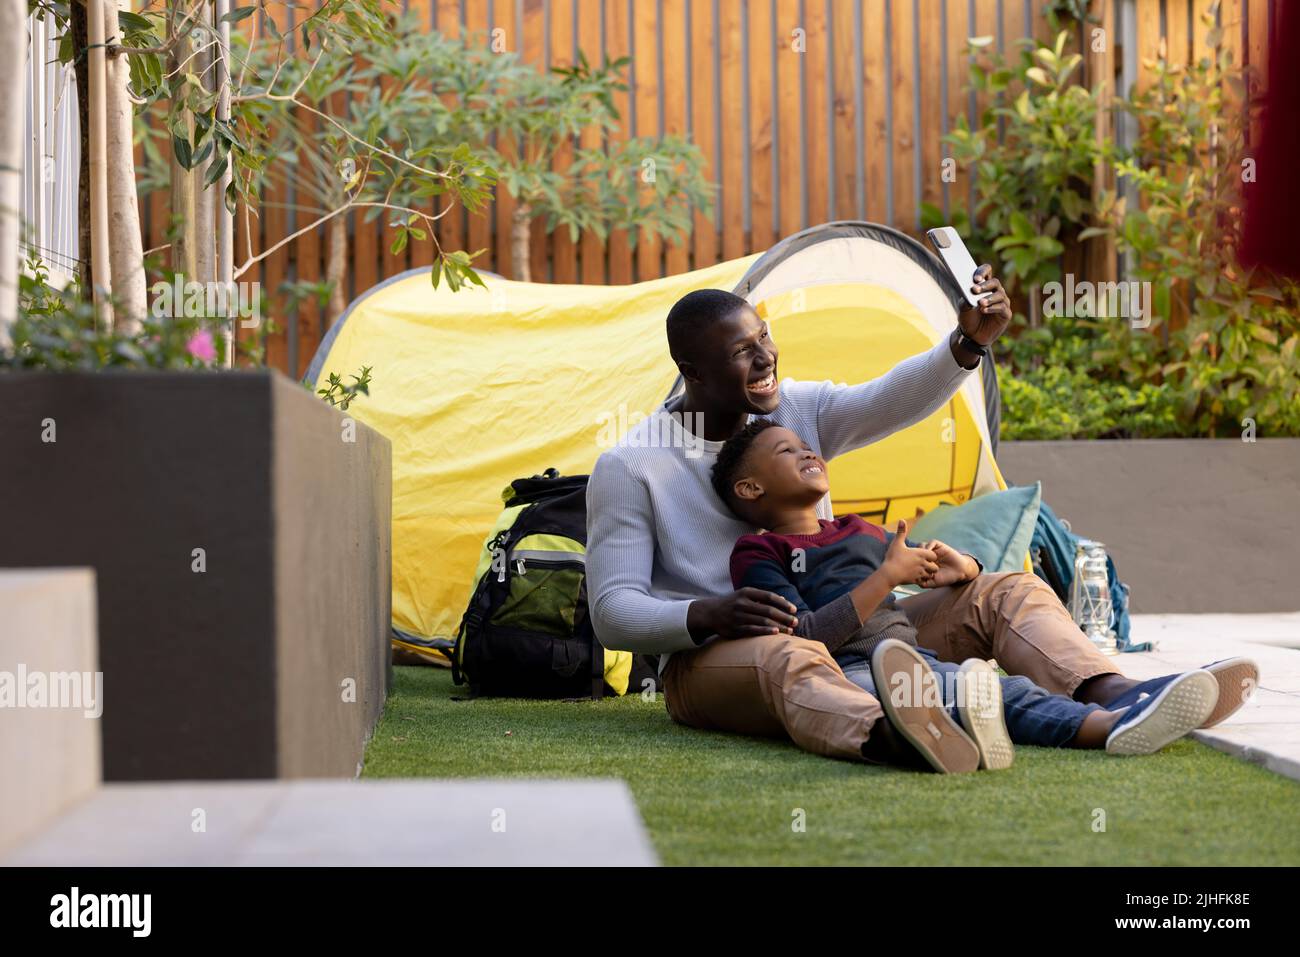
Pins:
x: 969, y: 344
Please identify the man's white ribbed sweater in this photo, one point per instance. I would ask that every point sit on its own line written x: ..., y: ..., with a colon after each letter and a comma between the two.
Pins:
x: 658, y: 536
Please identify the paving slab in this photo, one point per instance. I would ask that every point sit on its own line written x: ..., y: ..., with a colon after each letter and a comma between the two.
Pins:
x: 50, y: 696
x: 1266, y: 731
x: 348, y: 823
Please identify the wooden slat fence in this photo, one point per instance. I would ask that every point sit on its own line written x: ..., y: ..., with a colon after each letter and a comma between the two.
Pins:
x: 806, y: 111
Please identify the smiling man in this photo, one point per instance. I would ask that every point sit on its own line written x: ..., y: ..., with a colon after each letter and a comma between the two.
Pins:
x: 659, y: 541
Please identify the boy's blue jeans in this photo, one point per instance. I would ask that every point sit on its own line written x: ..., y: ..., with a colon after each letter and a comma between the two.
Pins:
x: 1033, y: 715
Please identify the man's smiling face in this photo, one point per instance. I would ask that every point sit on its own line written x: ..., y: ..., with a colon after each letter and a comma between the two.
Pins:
x: 734, y: 364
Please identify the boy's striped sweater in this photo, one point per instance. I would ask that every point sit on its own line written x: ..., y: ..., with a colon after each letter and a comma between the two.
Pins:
x: 816, y: 572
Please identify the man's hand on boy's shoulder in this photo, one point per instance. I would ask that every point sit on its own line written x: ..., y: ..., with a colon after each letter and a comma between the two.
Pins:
x: 954, y: 566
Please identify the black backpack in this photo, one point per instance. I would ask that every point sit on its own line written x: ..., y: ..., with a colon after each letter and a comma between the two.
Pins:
x: 526, y: 632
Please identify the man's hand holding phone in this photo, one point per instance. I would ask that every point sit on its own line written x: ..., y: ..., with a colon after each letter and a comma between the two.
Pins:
x: 987, y: 312
x: 990, y: 318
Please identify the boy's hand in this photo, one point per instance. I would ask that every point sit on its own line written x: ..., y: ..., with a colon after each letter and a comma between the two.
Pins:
x: 904, y: 565
x: 954, y: 567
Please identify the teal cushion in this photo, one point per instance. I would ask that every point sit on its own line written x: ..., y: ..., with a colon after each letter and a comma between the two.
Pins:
x: 995, y: 527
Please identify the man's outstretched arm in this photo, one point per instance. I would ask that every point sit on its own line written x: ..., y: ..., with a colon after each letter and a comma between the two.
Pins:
x: 849, y: 417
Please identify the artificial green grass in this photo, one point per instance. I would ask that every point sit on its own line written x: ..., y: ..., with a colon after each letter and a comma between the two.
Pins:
x: 710, y: 798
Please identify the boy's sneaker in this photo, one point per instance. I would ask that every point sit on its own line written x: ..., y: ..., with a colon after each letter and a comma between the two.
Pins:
x: 911, y: 694
x: 1156, y: 720
x: 979, y: 706
x: 1237, y: 678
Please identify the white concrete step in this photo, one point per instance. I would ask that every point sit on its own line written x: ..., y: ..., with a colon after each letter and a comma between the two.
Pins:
x: 49, y: 744
x: 1266, y: 731
x: 348, y: 823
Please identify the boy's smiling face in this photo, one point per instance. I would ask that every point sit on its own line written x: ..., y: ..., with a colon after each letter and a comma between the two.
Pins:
x: 779, y: 472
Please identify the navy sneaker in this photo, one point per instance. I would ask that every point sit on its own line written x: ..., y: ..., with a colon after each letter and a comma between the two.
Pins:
x: 1237, y: 679
x: 1163, y: 717
x: 1143, y: 689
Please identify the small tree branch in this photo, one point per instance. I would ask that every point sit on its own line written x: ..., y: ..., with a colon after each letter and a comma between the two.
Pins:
x: 180, y: 66
x: 286, y: 98
x: 307, y: 75
x: 351, y: 204
x: 248, y: 228
x: 117, y: 49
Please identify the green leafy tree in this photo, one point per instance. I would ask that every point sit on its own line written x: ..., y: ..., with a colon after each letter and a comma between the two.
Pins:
x: 375, y: 88
x: 1217, y: 356
x: 1033, y: 178
x: 1235, y: 357
x: 233, y: 122
x: 520, y: 119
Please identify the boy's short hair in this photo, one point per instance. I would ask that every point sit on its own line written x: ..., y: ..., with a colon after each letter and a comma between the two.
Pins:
x: 732, y: 456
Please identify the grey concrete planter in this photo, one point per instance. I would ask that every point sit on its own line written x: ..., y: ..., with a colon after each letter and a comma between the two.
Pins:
x: 271, y: 661
x: 1194, y: 525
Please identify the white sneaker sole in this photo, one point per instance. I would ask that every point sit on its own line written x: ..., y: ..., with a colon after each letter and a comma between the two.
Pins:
x: 1237, y: 678
x: 980, y: 708
x: 1180, y: 708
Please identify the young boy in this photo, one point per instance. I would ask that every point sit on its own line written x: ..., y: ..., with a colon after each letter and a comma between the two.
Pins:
x: 840, y: 577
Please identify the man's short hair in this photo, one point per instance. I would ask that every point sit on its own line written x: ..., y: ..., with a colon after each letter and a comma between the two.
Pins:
x: 732, y: 456
x: 694, y: 312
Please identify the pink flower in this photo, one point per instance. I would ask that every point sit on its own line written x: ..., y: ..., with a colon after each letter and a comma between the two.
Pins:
x: 202, y: 347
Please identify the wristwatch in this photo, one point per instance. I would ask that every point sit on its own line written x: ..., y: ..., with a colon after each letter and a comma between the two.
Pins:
x: 969, y: 344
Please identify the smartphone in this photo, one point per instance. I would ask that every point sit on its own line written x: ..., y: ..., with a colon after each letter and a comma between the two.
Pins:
x: 957, y: 258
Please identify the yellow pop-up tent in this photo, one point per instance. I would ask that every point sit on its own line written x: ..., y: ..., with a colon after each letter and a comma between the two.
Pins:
x: 482, y: 386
